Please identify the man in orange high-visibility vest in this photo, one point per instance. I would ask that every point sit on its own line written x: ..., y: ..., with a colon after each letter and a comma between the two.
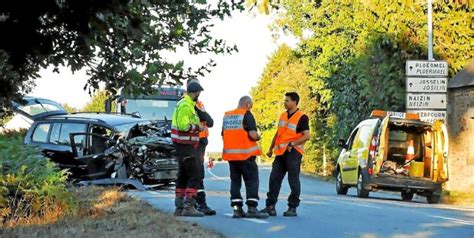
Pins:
x: 288, y: 146
x: 240, y: 136
x: 206, y: 122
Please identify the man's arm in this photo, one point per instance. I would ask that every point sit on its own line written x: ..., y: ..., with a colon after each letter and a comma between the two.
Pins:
x: 204, y: 116
x: 253, y: 135
x: 250, y: 125
x: 184, y: 121
x: 303, y: 139
x: 270, y: 150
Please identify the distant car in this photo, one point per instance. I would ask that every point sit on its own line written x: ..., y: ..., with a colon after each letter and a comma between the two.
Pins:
x: 87, y: 145
x: 397, y: 152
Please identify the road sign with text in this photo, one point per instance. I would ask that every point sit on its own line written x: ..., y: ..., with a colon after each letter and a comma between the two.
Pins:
x: 427, y: 68
x: 427, y: 85
x: 426, y: 101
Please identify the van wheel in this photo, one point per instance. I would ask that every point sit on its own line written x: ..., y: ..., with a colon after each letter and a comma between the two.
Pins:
x: 361, y: 191
x: 433, y: 199
x: 407, y: 196
x: 340, y: 187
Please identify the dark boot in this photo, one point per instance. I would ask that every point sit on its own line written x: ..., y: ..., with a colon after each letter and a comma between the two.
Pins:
x: 270, y: 210
x: 254, y: 213
x: 238, y: 212
x: 204, y: 208
x: 179, y: 203
x: 189, y: 209
x: 290, y: 213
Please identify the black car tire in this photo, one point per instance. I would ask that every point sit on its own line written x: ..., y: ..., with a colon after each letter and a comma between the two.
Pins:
x: 433, y: 199
x: 361, y: 191
x: 341, y: 189
x: 407, y: 196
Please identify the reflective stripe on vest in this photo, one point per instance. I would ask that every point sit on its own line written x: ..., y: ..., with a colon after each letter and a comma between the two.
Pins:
x: 241, y: 151
x: 287, y: 133
x: 182, y: 137
x: 237, y: 144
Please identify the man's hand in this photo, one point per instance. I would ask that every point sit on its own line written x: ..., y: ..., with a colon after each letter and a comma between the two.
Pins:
x: 270, y: 153
x: 201, y: 128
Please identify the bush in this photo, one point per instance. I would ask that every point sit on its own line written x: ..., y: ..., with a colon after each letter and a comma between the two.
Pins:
x: 32, y: 188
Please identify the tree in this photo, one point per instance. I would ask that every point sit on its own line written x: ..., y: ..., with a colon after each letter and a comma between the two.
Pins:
x: 69, y: 108
x: 355, y: 53
x: 285, y: 72
x: 97, y: 102
x: 119, y: 42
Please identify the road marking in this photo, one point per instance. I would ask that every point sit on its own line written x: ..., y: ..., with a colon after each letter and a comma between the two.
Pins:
x: 250, y: 219
x: 358, y: 204
x: 215, y: 176
x: 464, y: 222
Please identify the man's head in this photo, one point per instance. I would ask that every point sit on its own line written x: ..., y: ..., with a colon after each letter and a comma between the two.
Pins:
x: 291, y: 100
x: 246, y: 103
x: 192, y: 80
x: 194, y: 90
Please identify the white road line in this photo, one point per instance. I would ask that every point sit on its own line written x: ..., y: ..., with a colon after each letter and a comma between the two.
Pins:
x: 215, y: 176
x: 358, y: 204
x: 250, y: 219
x: 464, y: 222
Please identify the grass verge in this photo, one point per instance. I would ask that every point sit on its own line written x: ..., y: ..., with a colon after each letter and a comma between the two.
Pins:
x: 107, y: 212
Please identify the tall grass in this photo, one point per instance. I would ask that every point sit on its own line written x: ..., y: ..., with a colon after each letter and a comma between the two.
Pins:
x: 32, y: 188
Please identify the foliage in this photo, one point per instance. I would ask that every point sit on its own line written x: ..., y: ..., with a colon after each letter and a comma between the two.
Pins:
x: 69, y: 108
x: 97, y: 102
x: 119, y: 42
x: 355, y: 53
x: 279, y: 77
x: 31, y: 186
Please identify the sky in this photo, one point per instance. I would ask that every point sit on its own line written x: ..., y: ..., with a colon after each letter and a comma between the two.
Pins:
x: 232, y: 78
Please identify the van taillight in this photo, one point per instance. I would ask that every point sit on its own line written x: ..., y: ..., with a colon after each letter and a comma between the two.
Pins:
x: 373, y: 147
x: 370, y: 171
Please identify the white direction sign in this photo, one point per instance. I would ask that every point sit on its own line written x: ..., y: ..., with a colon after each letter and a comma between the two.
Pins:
x: 427, y: 85
x: 430, y: 116
x: 427, y: 68
x: 426, y: 101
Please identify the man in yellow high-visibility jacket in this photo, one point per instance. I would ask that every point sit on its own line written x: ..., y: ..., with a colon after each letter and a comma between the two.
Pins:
x: 185, y: 136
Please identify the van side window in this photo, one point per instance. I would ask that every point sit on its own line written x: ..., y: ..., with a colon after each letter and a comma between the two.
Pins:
x: 97, y: 141
x: 41, y: 133
x: 362, y: 140
x: 55, y: 131
x: 68, y: 128
x: 350, y: 141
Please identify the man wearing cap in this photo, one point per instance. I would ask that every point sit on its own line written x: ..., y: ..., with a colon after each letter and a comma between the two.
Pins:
x: 185, y: 136
x: 207, y: 122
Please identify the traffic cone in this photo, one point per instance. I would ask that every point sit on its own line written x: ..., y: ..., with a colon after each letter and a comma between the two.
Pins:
x: 210, y: 164
x: 410, y: 153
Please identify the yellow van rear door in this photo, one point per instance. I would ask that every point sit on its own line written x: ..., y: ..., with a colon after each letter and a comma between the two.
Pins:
x: 440, y: 165
x: 383, y: 145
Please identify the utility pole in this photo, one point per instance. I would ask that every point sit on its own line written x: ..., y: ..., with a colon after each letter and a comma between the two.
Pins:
x: 430, y: 30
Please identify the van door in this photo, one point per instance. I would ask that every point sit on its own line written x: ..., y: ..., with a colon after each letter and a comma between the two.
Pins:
x: 382, y: 149
x: 346, y: 168
x: 356, y: 152
x: 440, y: 165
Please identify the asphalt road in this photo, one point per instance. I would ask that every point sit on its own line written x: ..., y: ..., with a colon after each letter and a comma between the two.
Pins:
x: 323, y: 213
